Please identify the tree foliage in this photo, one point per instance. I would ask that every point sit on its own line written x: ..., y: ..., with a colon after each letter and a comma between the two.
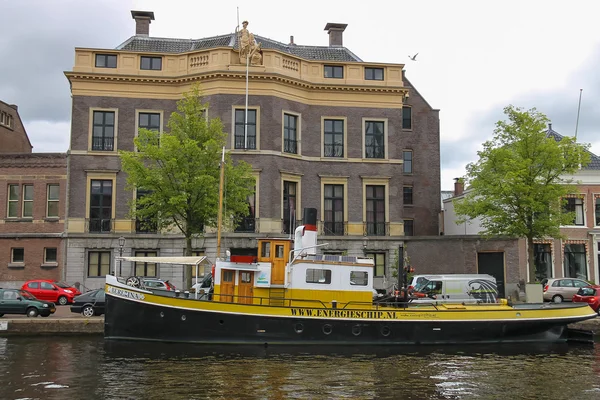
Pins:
x: 180, y: 169
x: 517, y: 185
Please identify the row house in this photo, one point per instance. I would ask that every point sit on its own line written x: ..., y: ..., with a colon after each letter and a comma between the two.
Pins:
x: 322, y: 128
x: 577, y: 255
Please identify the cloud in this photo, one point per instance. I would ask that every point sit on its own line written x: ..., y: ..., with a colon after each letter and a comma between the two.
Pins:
x: 48, y: 136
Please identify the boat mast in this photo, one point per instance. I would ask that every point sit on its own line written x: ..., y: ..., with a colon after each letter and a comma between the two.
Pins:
x: 220, y: 216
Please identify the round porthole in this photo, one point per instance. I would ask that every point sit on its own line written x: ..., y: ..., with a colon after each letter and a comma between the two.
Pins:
x: 221, y: 322
x: 162, y: 314
x: 299, y: 328
x: 183, y: 318
x: 327, y: 329
x: 385, y: 331
x: 356, y: 330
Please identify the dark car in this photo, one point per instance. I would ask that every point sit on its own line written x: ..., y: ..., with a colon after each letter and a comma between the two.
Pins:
x: 18, y: 301
x: 90, y: 303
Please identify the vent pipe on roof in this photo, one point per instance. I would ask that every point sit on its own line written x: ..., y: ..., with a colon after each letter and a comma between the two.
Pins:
x: 336, y: 33
x: 142, y: 22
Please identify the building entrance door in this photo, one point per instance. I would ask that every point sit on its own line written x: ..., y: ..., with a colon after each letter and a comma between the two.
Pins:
x: 493, y: 264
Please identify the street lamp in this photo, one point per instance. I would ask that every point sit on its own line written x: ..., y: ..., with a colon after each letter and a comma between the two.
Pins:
x: 121, y: 244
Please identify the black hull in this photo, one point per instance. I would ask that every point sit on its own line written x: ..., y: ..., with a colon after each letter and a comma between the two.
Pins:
x: 131, y: 320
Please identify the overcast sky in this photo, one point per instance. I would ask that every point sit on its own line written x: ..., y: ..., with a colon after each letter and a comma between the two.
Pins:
x: 475, y: 57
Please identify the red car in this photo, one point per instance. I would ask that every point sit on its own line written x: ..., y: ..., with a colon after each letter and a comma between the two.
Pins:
x: 590, y: 295
x: 56, y: 292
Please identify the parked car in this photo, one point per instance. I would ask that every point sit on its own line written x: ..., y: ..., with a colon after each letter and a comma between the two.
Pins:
x: 590, y: 295
x: 90, y: 303
x: 562, y: 289
x: 18, y: 301
x: 54, y: 291
x: 149, y: 283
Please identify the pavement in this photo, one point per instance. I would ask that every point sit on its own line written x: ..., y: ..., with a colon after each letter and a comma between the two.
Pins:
x: 61, y: 313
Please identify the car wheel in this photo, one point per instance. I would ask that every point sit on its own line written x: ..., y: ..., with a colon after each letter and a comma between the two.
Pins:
x: 557, y: 298
x: 133, y: 281
x: 87, y: 311
x: 32, y: 312
x: 62, y: 300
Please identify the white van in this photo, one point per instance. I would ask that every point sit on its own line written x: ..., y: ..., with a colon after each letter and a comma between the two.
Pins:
x: 469, y: 288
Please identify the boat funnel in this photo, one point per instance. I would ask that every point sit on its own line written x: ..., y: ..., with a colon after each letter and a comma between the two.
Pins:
x: 305, y: 236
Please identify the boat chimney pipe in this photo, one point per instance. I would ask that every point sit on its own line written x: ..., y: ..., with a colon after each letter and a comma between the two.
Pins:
x: 309, y: 236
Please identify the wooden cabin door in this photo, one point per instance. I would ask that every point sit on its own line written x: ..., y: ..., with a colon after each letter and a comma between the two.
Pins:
x: 280, y: 255
x: 227, y: 288
x: 245, y: 288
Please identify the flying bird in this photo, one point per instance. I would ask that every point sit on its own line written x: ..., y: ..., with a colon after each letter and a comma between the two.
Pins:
x: 414, y: 58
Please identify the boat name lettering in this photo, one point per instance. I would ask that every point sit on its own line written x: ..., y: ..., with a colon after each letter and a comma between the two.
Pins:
x: 126, y: 293
x: 332, y: 313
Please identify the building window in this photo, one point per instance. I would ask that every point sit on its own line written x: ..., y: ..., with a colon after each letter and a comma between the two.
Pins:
x: 333, y: 133
x: 13, y: 201
x: 334, y: 71
x: 101, y: 206
x: 145, y: 225
x: 53, y: 197
x: 379, y: 260
x: 290, y: 134
x: 98, y: 263
x: 150, y: 121
x: 373, y: 74
x: 375, y: 210
x: 407, y: 158
x: 17, y: 255
x: 153, y: 63
x: 406, y: 117
x: 542, y: 254
x: 145, y: 268
x: 359, y: 278
x: 248, y: 222
x: 289, y: 206
x: 50, y: 255
x: 103, y: 131
x: 374, y: 139
x: 106, y: 61
x: 322, y: 276
x: 407, y: 195
x: 6, y: 119
x: 27, y: 201
x: 245, y: 138
x: 575, y: 205
x: 575, y: 264
x: 598, y: 211
x: 409, y: 227
x: 333, y: 223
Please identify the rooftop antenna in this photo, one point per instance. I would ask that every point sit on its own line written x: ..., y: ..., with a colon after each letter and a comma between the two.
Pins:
x: 578, y: 108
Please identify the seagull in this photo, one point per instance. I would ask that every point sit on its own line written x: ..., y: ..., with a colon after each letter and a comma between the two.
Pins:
x: 414, y: 58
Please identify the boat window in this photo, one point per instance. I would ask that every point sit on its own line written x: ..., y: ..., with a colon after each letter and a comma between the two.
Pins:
x: 265, y: 250
x: 322, y: 276
x: 245, y: 277
x: 227, y: 276
x: 279, y: 251
x: 360, y: 278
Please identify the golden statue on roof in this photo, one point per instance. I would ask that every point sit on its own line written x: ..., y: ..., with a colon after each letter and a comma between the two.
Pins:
x: 250, y: 50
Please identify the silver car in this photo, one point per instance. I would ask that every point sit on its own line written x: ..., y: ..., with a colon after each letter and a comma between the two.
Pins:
x: 562, y: 289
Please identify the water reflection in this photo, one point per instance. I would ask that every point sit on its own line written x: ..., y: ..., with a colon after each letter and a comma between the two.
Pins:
x: 89, y: 368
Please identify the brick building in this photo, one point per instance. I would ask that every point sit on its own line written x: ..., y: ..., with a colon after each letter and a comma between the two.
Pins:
x: 13, y: 137
x: 325, y: 129
x: 32, y: 215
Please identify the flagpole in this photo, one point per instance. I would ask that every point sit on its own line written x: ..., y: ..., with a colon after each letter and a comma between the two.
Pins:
x: 220, y: 216
x: 578, y: 108
x: 246, y: 112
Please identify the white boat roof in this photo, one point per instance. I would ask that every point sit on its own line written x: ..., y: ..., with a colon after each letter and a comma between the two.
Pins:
x: 192, y: 260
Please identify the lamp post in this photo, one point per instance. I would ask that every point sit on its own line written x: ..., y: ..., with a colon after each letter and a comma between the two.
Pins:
x: 121, y: 244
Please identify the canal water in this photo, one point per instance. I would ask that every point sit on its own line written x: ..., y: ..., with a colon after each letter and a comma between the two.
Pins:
x: 87, y: 368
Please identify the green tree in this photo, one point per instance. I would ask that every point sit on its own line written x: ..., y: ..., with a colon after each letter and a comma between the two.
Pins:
x: 518, y: 185
x: 180, y: 169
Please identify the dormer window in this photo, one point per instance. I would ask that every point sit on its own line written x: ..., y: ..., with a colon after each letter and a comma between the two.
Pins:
x: 6, y: 119
x: 334, y: 71
x: 373, y: 74
x: 151, y: 63
x: 106, y: 61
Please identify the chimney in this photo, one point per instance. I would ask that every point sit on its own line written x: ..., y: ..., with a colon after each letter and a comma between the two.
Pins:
x: 292, y: 41
x: 550, y: 126
x: 336, y: 32
x: 142, y: 22
x: 459, y: 186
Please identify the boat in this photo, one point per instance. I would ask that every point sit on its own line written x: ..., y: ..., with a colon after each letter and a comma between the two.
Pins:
x: 290, y: 295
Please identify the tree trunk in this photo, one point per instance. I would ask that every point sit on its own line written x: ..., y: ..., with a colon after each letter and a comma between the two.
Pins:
x: 531, y: 260
x: 188, y: 268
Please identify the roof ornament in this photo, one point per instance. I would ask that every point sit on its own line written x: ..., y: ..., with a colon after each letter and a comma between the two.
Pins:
x: 250, y: 50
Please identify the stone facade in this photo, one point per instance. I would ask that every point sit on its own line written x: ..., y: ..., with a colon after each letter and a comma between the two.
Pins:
x: 31, y: 235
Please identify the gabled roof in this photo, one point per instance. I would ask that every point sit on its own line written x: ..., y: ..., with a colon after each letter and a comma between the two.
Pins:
x: 594, y: 159
x: 168, y: 45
